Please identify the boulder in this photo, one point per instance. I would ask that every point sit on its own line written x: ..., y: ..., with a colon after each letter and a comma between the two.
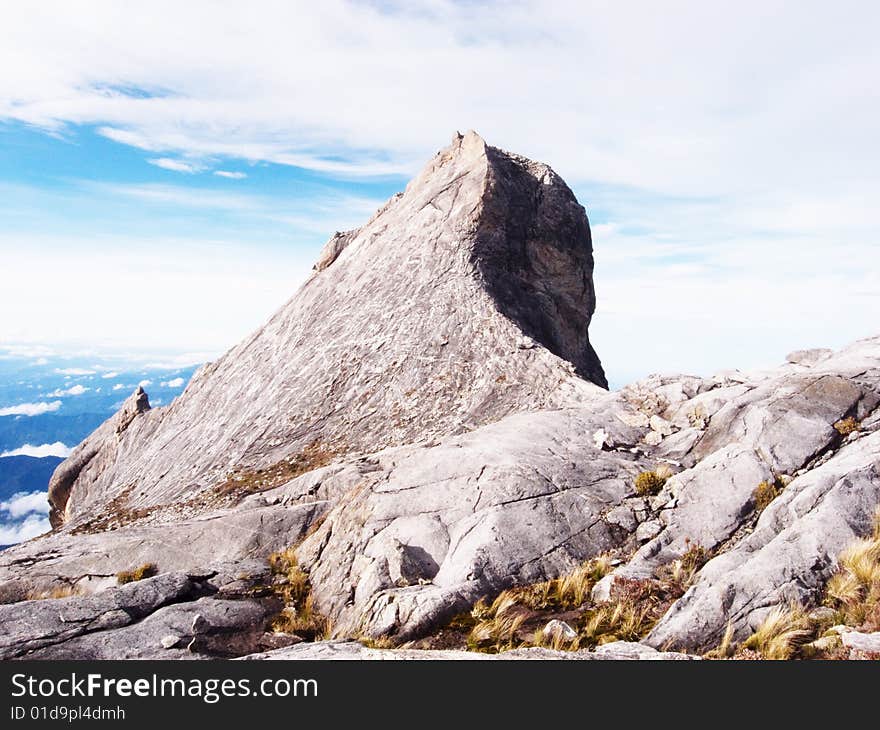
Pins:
x: 787, y: 558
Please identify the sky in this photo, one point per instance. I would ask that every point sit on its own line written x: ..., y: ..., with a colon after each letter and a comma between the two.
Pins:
x: 169, y: 171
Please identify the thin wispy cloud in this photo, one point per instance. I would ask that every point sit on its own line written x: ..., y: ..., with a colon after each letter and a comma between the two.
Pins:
x: 612, y: 99
x: 725, y: 154
x: 324, y: 211
x: 183, y: 197
x: 167, y: 163
x: 25, y: 350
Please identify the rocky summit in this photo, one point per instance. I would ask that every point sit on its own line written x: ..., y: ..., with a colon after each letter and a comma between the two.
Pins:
x: 464, y: 299
x: 419, y: 449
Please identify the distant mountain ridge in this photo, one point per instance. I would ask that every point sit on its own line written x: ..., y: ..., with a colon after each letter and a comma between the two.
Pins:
x: 47, y: 428
x: 25, y: 474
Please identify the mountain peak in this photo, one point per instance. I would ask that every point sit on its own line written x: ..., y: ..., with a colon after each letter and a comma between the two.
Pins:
x: 463, y: 299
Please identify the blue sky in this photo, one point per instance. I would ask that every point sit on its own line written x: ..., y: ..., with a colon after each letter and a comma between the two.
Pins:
x: 168, y: 174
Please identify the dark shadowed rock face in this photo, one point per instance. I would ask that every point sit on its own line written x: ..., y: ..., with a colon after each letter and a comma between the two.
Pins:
x: 464, y: 299
x: 535, y: 252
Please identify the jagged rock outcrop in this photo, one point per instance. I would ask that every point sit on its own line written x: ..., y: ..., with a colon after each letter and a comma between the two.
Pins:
x: 94, y: 456
x: 464, y: 299
x: 134, y: 621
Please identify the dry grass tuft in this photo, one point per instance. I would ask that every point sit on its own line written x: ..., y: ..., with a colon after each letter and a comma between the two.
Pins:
x: 854, y: 590
x: 566, y: 592
x: 60, y: 591
x: 765, y: 493
x: 147, y: 570
x: 624, y: 619
x: 649, y: 483
x: 497, y: 625
x: 241, y: 484
x: 781, y: 634
x: 292, y: 586
x: 726, y: 648
x: 679, y: 574
x: 514, y: 618
x: 847, y: 425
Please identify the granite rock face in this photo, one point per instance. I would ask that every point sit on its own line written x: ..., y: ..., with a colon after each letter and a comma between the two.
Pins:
x: 94, y: 456
x: 464, y: 299
x: 429, y: 529
x: 397, y: 541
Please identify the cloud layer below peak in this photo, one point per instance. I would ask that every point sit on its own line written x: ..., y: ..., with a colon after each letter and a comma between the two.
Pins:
x: 30, y: 409
x: 54, y: 449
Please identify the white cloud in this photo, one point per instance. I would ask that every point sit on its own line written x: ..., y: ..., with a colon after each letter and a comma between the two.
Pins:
x: 230, y: 175
x: 22, y: 503
x: 613, y: 98
x: 74, y: 371
x: 173, y: 383
x: 24, y: 350
x: 706, y: 139
x: 30, y: 409
x: 118, y: 386
x: 112, y: 374
x: 72, y: 390
x: 41, y: 361
x: 174, y: 165
x: 175, y: 362
x: 31, y: 526
x: 181, y: 196
x: 145, y: 383
x: 56, y: 449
